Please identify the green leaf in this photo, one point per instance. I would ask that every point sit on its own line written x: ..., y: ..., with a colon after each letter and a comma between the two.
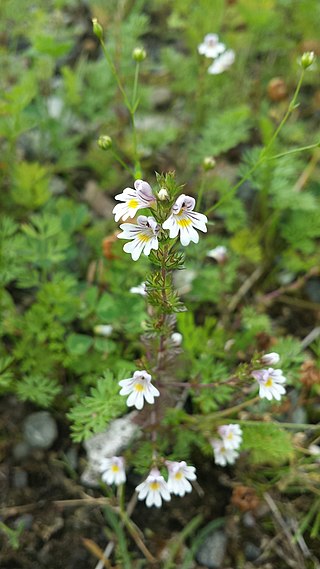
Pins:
x: 93, y: 413
x: 267, y: 443
x: 47, y: 45
x: 38, y: 389
x: 246, y: 243
x: 30, y: 185
x: 78, y: 344
x: 223, y: 132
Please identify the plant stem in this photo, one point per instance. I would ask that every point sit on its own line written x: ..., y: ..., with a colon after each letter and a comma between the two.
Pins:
x: 264, y: 151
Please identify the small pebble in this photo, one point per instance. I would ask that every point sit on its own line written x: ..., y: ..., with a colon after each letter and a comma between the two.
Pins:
x: 19, y: 478
x: 212, y: 551
x: 251, y: 551
x: 21, y: 450
x: 40, y: 430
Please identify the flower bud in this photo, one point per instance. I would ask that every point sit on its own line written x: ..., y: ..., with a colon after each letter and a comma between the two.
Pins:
x: 208, y: 163
x: 163, y: 195
x: 139, y: 54
x: 176, y: 338
x: 97, y: 29
x: 270, y: 359
x: 103, y: 330
x: 105, y: 142
x: 219, y: 254
x: 307, y: 59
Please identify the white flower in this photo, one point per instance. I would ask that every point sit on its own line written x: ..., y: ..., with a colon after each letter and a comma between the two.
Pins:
x: 179, y: 476
x: 103, y: 330
x: 113, y: 470
x: 185, y: 220
x: 231, y: 436
x: 223, y: 455
x: 143, y: 235
x: 270, y: 381
x: 140, y: 289
x: 270, y: 359
x: 176, y: 338
x: 134, y: 199
x: 211, y: 47
x: 139, y: 388
x: 222, y: 62
x: 219, y: 254
x: 154, y: 488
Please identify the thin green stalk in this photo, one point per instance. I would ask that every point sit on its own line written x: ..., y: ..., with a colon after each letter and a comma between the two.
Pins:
x: 264, y: 151
x: 115, y: 74
x: 135, y: 87
x: 123, y: 164
x: 294, y: 151
x: 132, y: 107
x: 200, y: 193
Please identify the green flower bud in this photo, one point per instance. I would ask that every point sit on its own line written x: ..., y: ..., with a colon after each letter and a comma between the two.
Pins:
x: 97, y: 29
x: 208, y: 163
x: 307, y: 59
x: 139, y: 54
x: 105, y: 142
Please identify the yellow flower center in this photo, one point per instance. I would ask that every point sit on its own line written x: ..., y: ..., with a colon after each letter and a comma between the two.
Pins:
x: 269, y: 382
x: 178, y: 475
x: 230, y: 436
x: 154, y: 486
x: 133, y: 203
x: 139, y: 387
x: 115, y: 468
x: 184, y: 222
x: 143, y: 238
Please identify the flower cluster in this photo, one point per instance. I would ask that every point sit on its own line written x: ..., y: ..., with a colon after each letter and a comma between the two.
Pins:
x: 225, y: 448
x: 222, y: 57
x: 144, y: 235
x: 154, y: 489
x: 270, y: 380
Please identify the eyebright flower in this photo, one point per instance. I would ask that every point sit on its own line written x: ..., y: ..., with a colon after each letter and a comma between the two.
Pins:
x: 139, y: 388
x: 270, y: 359
x: 185, y: 220
x: 134, y: 199
x: 223, y: 455
x: 140, y: 289
x: 113, y: 470
x: 154, y: 489
x: 143, y: 235
x: 231, y: 436
x: 219, y: 254
x: 211, y: 47
x: 270, y: 381
x: 223, y: 62
x: 179, y: 476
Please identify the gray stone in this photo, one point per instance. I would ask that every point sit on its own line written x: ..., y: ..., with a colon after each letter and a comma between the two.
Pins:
x: 111, y: 442
x: 313, y: 289
x: 299, y: 415
x: 251, y: 551
x: 40, y: 430
x: 19, y: 478
x: 21, y: 450
x: 212, y: 551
